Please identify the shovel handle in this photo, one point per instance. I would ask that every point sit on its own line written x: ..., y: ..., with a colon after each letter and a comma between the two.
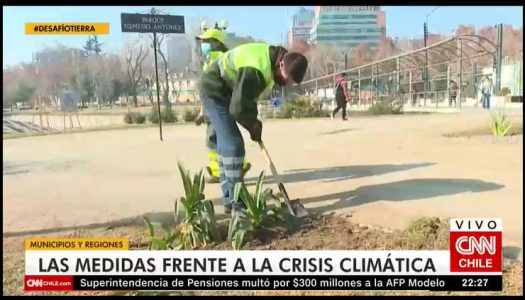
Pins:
x: 277, y: 178
x: 270, y: 162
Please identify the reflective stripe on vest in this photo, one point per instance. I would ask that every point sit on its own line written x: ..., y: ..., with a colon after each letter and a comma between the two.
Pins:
x: 255, y: 55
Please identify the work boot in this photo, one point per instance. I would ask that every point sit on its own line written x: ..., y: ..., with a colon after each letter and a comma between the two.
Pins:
x: 238, y: 207
x: 228, y: 208
x: 245, y: 169
x: 345, y: 119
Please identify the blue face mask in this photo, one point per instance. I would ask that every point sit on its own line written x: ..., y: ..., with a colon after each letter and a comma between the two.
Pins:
x: 205, y: 49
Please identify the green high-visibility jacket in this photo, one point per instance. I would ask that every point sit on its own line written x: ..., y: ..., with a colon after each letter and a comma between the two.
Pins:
x: 242, y: 76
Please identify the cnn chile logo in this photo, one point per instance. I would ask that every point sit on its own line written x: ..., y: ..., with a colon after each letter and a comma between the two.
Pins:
x: 48, y: 283
x: 475, y: 245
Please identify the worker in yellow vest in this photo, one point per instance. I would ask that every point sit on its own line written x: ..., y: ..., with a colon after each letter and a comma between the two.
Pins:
x: 212, y: 47
x: 229, y: 89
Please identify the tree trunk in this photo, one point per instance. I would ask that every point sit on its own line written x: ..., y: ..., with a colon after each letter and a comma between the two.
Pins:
x: 177, y: 94
x: 166, y: 99
x: 151, y: 99
x: 135, y: 99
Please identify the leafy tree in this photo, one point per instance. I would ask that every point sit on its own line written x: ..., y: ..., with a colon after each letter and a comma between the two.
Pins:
x: 23, y: 93
x: 83, y: 82
x: 117, y: 89
x: 93, y: 46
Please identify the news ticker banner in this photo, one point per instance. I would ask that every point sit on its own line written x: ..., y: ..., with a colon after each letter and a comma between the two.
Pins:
x: 67, y: 28
x: 473, y: 263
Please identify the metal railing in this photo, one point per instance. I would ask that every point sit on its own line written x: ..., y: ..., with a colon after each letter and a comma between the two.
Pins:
x: 403, y: 76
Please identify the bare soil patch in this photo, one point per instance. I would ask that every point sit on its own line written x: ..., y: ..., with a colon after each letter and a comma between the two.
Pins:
x: 517, y: 129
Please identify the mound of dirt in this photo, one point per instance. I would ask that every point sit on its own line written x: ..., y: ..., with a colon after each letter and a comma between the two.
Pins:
x: 337, y: 232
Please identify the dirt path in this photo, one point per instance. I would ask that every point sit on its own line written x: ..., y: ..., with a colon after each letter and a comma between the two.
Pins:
x: 384, y: 171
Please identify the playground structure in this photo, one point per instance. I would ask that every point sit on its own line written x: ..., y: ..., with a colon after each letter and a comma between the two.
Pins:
x: 26, y: 123
x: 17, y: 126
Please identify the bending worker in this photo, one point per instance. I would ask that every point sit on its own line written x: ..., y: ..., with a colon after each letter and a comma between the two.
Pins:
x: 229, y: 89
x: 213, y: 46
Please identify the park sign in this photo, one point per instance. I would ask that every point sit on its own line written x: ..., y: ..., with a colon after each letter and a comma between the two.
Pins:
x: 153, y: 23
x: 69, y: 101
x: 149, y: 23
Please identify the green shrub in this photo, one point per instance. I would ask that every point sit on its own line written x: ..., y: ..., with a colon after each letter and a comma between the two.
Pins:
x: 168, y: 115
x: 505, y: 91
x: 134, y: 117
x: 500, y: 123
x: 386, y: 106
x: 153, y: 116
x: 128, y: 118
x: 302, y: 107
x: 190, y: 115
x: 139, y: 118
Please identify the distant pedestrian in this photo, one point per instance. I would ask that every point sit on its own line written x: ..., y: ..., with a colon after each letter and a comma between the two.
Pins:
x: 341, y: 95
x: 486, y: 86
x: 453, y: 90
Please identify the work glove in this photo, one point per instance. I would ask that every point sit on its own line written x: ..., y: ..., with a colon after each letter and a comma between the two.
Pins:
x: 256, y: 131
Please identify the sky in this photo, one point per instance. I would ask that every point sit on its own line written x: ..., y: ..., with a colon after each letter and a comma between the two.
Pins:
x: 268, y: 23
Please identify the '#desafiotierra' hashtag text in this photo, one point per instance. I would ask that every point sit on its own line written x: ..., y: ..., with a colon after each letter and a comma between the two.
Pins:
x: 64, y: 28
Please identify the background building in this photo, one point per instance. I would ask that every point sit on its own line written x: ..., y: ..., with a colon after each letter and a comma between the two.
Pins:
x: 233, y: 40
x: 348, y: 26
x: 302, y: 25
x: 289, y: 37
x: 60, y: 54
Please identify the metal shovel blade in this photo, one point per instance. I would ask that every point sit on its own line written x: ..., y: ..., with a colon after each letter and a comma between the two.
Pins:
x: 298, y: 208
x: 295, y: 207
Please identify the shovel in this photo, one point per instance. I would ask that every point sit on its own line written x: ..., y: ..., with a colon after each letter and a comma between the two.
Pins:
x: 295, y: 207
